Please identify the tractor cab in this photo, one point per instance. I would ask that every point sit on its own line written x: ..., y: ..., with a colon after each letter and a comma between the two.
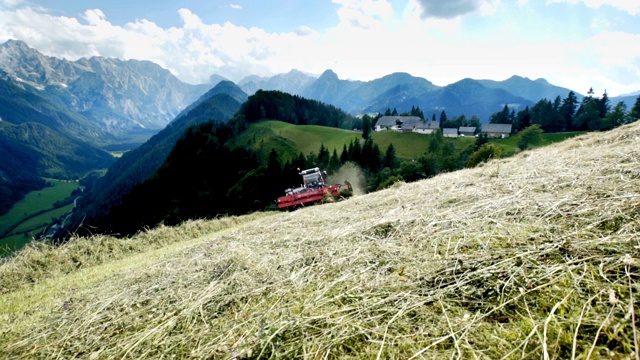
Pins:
x: 312, y: 178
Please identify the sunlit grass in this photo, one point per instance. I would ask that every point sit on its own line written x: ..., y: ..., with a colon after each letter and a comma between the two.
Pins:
x: 534, y: 256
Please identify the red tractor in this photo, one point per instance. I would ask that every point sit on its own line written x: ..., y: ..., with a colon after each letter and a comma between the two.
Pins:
x: 312, y: 190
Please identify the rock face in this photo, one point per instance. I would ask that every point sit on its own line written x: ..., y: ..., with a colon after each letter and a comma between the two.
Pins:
x: 122, y: 97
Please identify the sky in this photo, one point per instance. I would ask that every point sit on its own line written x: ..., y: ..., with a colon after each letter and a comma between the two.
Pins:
x: 577, y: 44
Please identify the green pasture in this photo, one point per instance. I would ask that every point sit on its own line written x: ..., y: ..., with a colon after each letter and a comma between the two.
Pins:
x: 36, y: 201
x: 509, y: 145
x: 289, y: 140
x: 33, y: 203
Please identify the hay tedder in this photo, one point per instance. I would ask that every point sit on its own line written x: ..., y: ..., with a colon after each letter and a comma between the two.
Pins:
x: 313, y: 190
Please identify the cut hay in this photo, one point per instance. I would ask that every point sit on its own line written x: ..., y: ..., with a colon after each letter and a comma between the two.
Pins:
x: 535, y: 256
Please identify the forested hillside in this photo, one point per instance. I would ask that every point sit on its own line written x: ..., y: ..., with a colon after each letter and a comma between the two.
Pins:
x: 137, y: 165
x: 295, y: 110
x: 40, y: 138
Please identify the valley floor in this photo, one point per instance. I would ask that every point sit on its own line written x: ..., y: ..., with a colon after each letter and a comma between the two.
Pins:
x: 534, y: 256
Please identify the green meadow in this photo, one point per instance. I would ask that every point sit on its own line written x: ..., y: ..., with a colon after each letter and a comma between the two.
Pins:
x: 31, y: 215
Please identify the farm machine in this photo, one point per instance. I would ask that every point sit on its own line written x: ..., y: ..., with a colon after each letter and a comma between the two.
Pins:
x: 313, y: 189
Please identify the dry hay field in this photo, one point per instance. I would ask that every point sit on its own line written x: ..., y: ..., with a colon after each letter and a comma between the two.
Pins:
x: 536, y: 256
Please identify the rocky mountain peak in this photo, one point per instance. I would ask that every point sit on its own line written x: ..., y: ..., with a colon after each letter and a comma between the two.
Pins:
x: 123, y: 97
x: 328, y: 75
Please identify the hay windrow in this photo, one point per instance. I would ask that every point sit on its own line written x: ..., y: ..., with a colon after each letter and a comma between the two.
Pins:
x: 535, y: 256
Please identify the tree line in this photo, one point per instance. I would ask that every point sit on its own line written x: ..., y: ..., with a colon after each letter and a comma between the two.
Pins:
x: 293, y: 109
x: 592, y: 113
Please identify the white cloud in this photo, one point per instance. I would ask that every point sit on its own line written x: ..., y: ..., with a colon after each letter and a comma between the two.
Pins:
x: 235, y: 6
x: 368, y: 41
x: 630, y: 6
x: 10, y: 3
x: 448, y: 9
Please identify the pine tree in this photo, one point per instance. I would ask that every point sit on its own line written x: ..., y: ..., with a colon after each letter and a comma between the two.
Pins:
x: 375, y: 162
x: 366, y: 126
x: 443, y: 118
x: 323, y: 156
x: 344, y: 155
x: 334, y: 161
x: 523, y: 119
x: 616, y: 117
x: 390, y: 159
x: 634, y: 114
x: 568, y: 109
x: 501, y: 117
x: 356, y: 154
x: 603, y: 105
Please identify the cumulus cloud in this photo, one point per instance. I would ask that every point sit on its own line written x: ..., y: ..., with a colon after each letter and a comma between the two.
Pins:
x: 10, y: 3
x: 448, y: 9
x: 630, y: 6
x: 192, y: 51
x: 369, y: 40
x: 363, y: 14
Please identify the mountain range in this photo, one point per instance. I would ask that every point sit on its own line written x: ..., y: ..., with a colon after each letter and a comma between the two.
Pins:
x: 122, y: 98
x: 58, y: 116
x: 403, y: 91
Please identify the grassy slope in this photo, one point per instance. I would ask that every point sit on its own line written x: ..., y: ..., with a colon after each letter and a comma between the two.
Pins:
x: 509, y: 145
x: 289, y: 140
x: 527, y: 257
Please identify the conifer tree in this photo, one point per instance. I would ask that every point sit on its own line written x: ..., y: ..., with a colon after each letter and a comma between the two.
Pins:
x: 443, y: 118
x: 323, y: 156
x: 568, y: 109
x: 334, y: 161
x: 390, y: 159
x: 634, y: 114
x: 344, y: 155
x: 603, y: 105
x: 366, y: 126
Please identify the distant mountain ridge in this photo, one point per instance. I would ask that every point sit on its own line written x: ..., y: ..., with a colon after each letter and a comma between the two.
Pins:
x: 532, y: 90
x: 403, y: 91
x: 121, y: 97
x: 134, y: 167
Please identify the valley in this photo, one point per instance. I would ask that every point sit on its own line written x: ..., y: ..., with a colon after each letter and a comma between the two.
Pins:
x: 540, y: 243
x: 28, y: 218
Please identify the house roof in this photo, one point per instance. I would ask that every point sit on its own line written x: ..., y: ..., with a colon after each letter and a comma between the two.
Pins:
x: 468, y: 129
x: 450, y: 131
x: 427, y: 125
x: 397, y: 120
x: 407, y: 123
x: 497, y: 128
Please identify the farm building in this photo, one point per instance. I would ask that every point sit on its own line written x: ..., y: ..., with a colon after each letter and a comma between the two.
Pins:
x: 406, y: 124
x: 497, y: 130
x: 450, y: 132
x: 467, y: 131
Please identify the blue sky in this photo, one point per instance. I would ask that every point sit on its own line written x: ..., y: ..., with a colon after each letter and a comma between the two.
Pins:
x: 577, y: 44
